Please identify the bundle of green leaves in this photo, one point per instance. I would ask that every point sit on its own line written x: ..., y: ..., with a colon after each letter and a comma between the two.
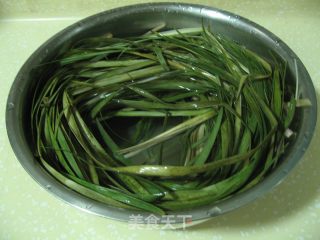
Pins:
x: 101, y: 122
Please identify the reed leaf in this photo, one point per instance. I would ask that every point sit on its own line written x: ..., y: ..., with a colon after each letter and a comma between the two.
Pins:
x: 164, y: 121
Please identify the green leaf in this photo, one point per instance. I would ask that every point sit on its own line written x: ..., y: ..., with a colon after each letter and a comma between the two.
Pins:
x: 203, y: 156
